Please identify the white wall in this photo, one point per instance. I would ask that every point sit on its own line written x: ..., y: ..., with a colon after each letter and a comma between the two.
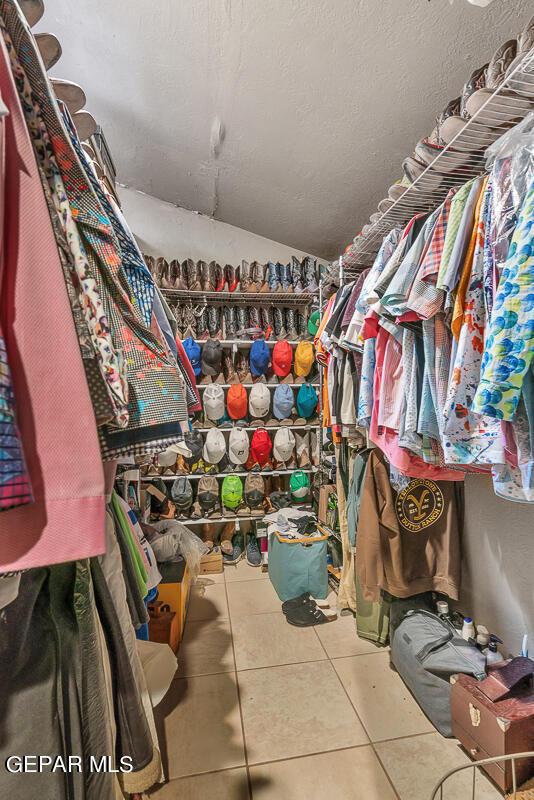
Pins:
x: 498, y: 565
x: 163, y: 229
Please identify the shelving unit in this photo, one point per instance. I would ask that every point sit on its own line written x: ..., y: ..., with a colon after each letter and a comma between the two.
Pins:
x: 258, y: 298
x: 298, y: 301
x: 239, y: 473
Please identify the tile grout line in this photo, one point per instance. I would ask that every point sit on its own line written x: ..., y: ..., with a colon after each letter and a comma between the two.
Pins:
x: 238, y: 689
x: 386, y: 773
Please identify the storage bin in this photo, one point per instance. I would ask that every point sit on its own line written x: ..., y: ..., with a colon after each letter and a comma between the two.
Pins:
x: 298, y: 565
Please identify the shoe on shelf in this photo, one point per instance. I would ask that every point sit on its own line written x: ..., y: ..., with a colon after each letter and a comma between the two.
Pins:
x: 254, y: 318
x: 273, y: 277
x: 219, y: 278
x: 286, y: 281
x: 189, y: 271
x: 253, y: 551
x: 189, y: 323
x: 263, y: 277
x: 256, y: 277
x: 164, y: 272
x: 207, y: 276
x: 310, y: 275
x: 237, y: 550
x: 214, y: 323
x: 245, y: 277
x: 242, y: 322
x: 232, y: 277
x: 229, y: 370
x: 176, y: 275
x: 194, y: 279
x: 291, y: 324
x: 202, y: 324
x: 230, y: 322
x: 267, y: 321
x: 279, y: 324
x: 243, y: 510
x: 296, y: 275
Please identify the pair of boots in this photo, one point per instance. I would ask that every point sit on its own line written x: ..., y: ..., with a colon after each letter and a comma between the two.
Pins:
x: 187, y: 324
x: 209, y: 324
x: 252, y: 277
x: 278, y: 278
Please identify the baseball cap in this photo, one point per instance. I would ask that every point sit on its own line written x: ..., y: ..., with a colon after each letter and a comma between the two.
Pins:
x: 283, y: 401
x: 212, y: 357
x: 304, y: 358
x: 159, y: 501
x: 254, y: 490
x: 260, y: 447
x: 313, y: 322
x: 284, y: 444
x: 259, y: 401
x: 182, y: 493
x: 299, y: 486
x: 214, y: 446
x: 213, y: 401
x: 192, y: 351
x: 208, y: 493
x: 237, y: 401
x: 232, y: 491
x: 259, y: 357
x: 307, y: 401
x: 238, y: 446
x: 195, y: 443
x: 282, y: 358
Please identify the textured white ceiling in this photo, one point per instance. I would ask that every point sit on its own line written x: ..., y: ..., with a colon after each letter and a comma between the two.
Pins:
x: 289, y: 118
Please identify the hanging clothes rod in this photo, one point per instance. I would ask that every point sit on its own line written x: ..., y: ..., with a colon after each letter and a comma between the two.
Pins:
x: 460, y: 160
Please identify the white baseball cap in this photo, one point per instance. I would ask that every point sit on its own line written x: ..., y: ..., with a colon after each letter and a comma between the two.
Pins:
x: 238, y: 446
x: 214, y: 446
x: 259, y: 401
x: 214, y: 402
x: 284, y: 444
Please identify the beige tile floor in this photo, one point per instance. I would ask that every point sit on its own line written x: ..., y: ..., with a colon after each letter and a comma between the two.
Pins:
x: 261, y: 710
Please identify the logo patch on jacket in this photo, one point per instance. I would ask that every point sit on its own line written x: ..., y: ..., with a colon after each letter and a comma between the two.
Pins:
x: 419, y: 505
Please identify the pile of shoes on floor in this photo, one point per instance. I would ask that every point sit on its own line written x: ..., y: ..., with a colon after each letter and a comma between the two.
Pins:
x: 304, y: 611
x: 299, y: 276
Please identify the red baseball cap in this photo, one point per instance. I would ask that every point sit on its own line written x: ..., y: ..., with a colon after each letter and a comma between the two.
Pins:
x: 237, y: 401
x: 260, y: 448
x: 282, y: 359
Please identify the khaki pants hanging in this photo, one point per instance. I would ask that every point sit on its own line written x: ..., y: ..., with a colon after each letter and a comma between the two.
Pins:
x: 347, y: 588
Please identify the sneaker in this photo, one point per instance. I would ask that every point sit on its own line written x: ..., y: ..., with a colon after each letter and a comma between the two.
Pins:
x: 253, y: 551
x: 237, y: 550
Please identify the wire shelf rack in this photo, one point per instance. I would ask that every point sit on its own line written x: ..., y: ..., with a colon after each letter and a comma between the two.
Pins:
x: 303, y: 299
x: 459, y: 161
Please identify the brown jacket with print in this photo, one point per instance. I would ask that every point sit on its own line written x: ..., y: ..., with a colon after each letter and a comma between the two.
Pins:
x: 408, y: 543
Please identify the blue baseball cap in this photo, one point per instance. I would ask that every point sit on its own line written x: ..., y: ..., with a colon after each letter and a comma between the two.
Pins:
x: 307, y: 401
x: 283, y: 401
x: 192, y: 351
x: 259, y: 357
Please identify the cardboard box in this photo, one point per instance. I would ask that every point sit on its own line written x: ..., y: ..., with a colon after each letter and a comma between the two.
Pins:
x: 211, y: 563
x: 174, y: 590
x: 325, y: 490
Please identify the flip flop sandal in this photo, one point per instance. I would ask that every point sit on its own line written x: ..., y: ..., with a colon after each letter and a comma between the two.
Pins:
x: 306, y: 615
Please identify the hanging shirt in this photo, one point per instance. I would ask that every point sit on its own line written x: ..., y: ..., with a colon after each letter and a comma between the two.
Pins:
x: 470, y: 438
x: 510, y: 345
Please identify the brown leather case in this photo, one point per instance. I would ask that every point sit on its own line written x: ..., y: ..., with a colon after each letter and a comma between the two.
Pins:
x: 164, y: 625
x: 488, y: 728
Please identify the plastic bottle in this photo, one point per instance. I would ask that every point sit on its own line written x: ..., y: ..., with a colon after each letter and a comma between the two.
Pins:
x: 492, y: 654
x: 483, y: 636
x: 468, y: 629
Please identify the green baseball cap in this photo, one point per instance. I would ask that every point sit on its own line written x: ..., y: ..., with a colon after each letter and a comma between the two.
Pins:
x: 232, y: 491
x: 313, y: 322
x: 299, y: 486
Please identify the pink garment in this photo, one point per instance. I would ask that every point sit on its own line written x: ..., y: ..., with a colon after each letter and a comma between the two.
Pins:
x: 56, y: 419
